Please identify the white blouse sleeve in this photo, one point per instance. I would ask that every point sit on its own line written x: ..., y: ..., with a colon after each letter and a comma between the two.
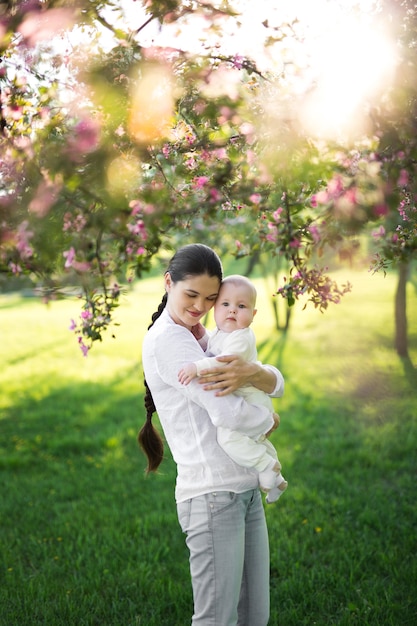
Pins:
x: 279, y: 387
x: 176, y: 347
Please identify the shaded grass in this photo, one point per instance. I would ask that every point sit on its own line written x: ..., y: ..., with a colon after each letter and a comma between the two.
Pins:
x: 86, y: 539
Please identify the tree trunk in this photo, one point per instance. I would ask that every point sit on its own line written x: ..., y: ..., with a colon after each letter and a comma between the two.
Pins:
x: 401, y: 337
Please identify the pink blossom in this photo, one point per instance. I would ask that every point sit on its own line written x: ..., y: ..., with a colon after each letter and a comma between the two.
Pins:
x: 15, y: 112
x: 67, y: 222
x: 248, y: 131
x: 215, y: 195
x: 314, y: 231
x: 78, y: 266
x: 86, y: 314
x: 87, y: 134
x: 200, y: 106
x: 238, y: 244
x: 277, y: 214
x: 379, y: 232
x: 251, y: 159
x: 380, y: 210
x: 321, y: 197
x: 138, y: 229
x: 69, y: 255
x: 72, y: 325
x: 221, y: 154
x: 190, y: 163
x: 140, y: 251
x: 351, y: 195
x: 295, y: 243
x: 205, y: 155
x: 237, y: 61
x: 335, y: 186
x: 82, y: 266
x: 255, y: 198
x: 85, y: 138
x: 43, y: 25
x: 84, y: 348
x: 402, y: 210
x: 136, y: 206
x: 15, y: 268
x: 45, y: 197
x: 246, y: 128
x: 272, y: 235
x: 200, y: 181
x: 403, y: 178
x: 79, y: 222
x: 226, y: 114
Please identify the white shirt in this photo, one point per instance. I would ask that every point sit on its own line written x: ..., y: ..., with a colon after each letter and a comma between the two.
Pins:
x: 190, y: 416
x: 241, y: 342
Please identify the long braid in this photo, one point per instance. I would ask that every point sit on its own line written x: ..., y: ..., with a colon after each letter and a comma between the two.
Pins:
x: 149, y: 438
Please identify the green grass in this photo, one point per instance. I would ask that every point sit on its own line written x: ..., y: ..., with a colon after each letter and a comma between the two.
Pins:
x: 86, y: 539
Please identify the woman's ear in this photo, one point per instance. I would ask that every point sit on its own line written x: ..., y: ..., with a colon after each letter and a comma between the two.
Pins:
x: 168, y: 281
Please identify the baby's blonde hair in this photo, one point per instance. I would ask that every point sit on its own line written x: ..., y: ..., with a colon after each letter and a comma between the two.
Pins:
x: 237, y: 279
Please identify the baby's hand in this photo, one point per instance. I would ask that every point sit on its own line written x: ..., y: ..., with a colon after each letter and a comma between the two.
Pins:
x: 187, y: 373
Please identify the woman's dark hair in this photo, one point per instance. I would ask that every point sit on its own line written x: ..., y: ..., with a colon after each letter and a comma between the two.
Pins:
x: 194, y: 259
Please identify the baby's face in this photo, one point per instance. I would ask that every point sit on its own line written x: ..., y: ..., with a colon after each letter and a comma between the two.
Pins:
x: 234, y: 308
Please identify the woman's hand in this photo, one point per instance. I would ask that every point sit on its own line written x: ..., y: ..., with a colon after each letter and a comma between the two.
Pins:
x: 233, y: 372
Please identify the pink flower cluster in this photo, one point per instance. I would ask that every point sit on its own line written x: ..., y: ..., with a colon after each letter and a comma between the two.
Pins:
x: 71, y: 261
x: 334, y: 190
x: 272, y: 226
x: 95, y: 317
x: 74, y: 223
x: 321, y: 289
x: 137, y: 228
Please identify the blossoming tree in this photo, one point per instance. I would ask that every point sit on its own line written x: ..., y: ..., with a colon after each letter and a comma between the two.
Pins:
x: 108, y: 156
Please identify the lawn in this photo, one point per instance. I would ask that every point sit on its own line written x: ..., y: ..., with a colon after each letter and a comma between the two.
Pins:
x: 86, y: 539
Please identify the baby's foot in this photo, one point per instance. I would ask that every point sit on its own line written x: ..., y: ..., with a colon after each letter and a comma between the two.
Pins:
x: 276, y: 492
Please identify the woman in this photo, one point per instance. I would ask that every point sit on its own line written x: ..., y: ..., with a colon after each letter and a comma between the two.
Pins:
x: 218, y: 502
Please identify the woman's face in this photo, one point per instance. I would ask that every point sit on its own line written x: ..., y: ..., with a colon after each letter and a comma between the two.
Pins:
x: 190, y: 299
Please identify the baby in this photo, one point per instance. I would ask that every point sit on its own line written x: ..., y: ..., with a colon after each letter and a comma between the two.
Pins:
x: 234, y: 311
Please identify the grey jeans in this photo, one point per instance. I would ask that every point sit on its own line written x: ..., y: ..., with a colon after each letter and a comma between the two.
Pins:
x: 229, y: 558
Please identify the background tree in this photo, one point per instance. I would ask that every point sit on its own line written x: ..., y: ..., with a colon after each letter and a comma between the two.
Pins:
x: 395, y: 123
